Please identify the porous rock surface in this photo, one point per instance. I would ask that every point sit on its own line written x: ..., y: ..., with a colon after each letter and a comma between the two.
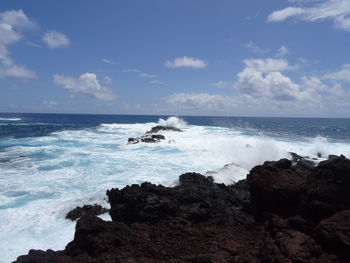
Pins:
x: 275, y: 215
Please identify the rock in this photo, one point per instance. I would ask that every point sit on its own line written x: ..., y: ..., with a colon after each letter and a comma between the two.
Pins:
x: 283, y: 164
x: 86, y: 210
x: 163, y: 128
x: 290, y: 246
x: 327, y: 188
x: 269, y: 217
x: 197, y: 199
x: 154, y: 138
x: 158, y: 137
x: 334, y: 233
x: 304, y: 167
x: 275, y: 189
x: 133, y: 140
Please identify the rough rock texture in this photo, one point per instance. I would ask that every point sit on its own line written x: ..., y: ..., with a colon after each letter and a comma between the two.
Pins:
x: 334, y: 232
x: 150, y: 137
x: 275, y: 189
x: 154, y: 138
x: 86, y: 210
x: 163, y: 128
x: 265, y: 218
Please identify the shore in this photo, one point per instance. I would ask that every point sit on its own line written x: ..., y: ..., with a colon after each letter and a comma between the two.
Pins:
x: 283, y: 211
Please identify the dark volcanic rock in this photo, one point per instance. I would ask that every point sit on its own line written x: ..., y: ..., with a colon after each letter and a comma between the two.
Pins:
x: 334, y: 232
x: 154, y: 138
x: 197, y: 198
x: 86, y: 210
x: 327, y: 188
x: 275, y: 189
x: 163, y: 128
x: 276, y: 215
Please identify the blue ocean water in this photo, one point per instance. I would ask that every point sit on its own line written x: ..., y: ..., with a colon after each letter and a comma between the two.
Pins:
x: 50, y: 163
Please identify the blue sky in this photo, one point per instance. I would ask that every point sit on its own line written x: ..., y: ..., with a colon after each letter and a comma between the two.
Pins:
x: 183, y: 57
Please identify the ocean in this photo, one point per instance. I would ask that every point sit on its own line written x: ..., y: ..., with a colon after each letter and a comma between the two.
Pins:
x: 51, y: 163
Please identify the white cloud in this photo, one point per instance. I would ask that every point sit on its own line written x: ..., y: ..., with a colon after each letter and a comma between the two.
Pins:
x: 268, y: 65
x: 11, y: 25
x: 16, y: 19
x: 336, y: 10
x: 33, y: 44
x: 342, y: 75
x: 108, y: 61
x: 16, y: 72
x: 282, y: 52
x: 87, y: 84
x: 145, y: 75
x: 221, y: 84
x: 263, y: 78
x: 200, y: 101
x: 254, y: 48
x: 55, y: 39
x: 188, y: 62
x: 50, y: 103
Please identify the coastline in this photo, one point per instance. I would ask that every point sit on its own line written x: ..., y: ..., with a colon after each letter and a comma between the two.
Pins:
x: 279, y: 213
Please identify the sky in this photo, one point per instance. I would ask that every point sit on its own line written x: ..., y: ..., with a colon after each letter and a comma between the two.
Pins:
x: 283, y: 58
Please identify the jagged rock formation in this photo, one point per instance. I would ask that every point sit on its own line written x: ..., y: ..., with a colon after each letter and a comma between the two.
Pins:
x: 150, y: 137
x: 86, y: 210
x: 276, y: 215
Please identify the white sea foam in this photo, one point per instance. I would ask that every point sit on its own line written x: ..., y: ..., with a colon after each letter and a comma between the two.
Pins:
x: 10, y: 119
x: 173, y: 122
x: 42, y: 178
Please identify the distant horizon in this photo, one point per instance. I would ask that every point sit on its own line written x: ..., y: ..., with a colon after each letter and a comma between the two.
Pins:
x: 174, y: 115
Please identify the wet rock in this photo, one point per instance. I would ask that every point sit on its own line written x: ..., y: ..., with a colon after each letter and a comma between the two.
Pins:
x: 86, y: 210
x: 154, y: 138
x: 163, y: 128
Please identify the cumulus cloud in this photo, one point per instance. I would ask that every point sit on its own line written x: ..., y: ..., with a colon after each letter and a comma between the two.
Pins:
x: 337, y: 11
x: 184, y: 62
x: 12, y: 23
x: 87, y: 84
x: 282, y: 52
x: 268, y: 65
x: 55, y: 39
x: 342, y: 75
x: 263, y: 78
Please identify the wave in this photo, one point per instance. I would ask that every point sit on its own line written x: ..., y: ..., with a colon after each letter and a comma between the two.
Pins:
x: 10, y: 119
x: 173, y: 122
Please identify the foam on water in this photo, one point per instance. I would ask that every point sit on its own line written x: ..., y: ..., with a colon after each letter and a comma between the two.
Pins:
x: 42, y: 178
x: 10, y: 119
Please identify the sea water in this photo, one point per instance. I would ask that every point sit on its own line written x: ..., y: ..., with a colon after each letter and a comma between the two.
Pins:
x: 51, y: 163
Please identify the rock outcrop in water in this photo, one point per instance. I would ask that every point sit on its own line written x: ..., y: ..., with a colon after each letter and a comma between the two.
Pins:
x: 151, y: 137
x: 276, y: 215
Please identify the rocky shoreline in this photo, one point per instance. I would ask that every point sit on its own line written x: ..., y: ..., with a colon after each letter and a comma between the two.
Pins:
x: 284, y: 211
